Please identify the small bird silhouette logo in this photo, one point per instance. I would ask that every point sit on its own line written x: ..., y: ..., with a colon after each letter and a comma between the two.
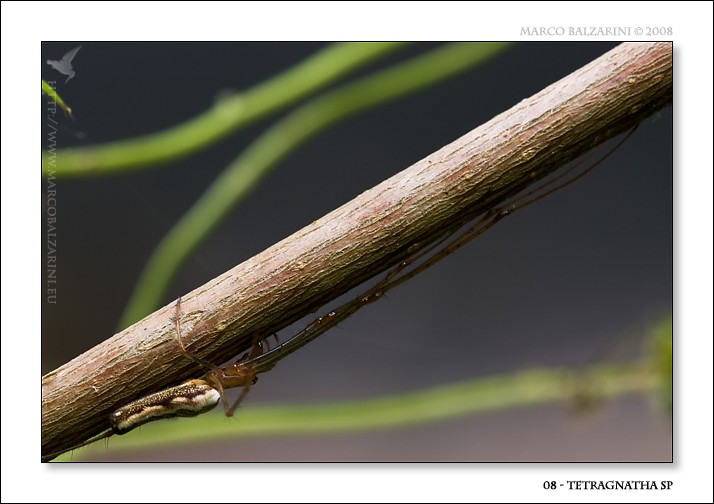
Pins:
x: 64, y: 66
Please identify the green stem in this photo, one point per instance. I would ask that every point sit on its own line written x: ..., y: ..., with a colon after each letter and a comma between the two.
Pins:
x: 523, y: 389
x: 226, y: 116
x: 50, y: 91
x: 247, y: 170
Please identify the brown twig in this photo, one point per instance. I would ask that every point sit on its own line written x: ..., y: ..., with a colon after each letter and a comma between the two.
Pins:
x: 360, y: 239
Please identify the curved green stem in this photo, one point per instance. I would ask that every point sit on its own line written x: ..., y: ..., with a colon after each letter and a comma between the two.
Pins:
x: 522, y: 389
x: 224, y: 117
x: 246, y: 171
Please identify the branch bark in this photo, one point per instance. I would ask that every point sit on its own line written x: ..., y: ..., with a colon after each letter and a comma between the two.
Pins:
x: 360, y: 239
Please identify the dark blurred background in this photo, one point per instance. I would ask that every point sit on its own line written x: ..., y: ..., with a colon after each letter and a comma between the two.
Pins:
x: 573, y: 280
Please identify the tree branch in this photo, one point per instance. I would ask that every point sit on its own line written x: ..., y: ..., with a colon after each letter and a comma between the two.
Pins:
x: 360, y: 239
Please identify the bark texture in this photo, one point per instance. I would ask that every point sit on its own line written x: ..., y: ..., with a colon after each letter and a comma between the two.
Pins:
x: 360, y: 239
